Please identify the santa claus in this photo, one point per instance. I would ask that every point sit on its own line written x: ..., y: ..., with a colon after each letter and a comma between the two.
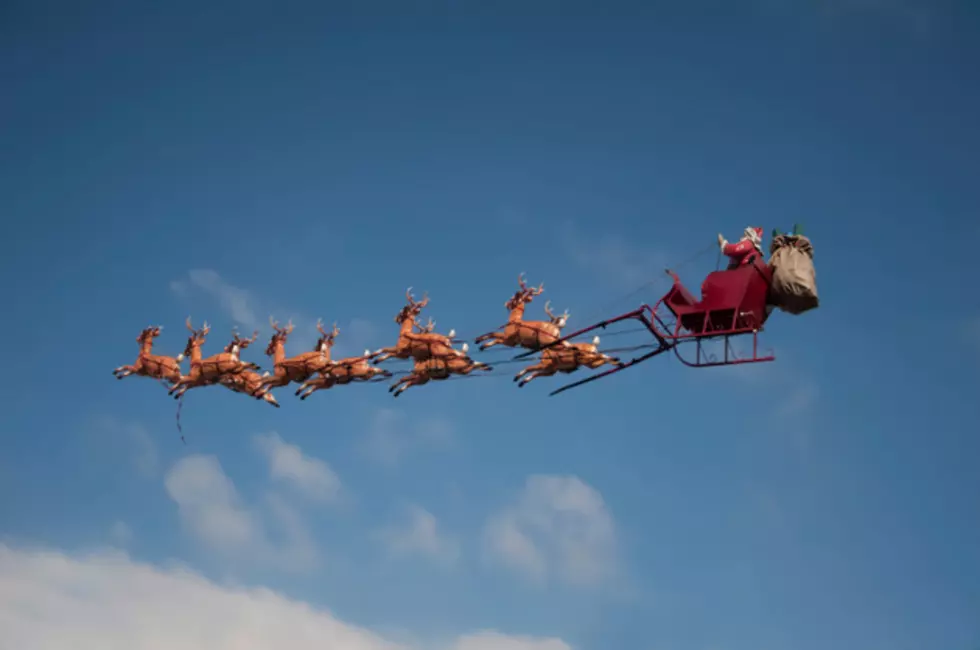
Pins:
x: 745, y: 251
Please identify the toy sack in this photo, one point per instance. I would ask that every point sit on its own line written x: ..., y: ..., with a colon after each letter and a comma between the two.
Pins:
x: 794, y: 280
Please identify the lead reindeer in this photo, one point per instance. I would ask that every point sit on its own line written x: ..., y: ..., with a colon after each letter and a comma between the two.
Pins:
x: 438, y: 369
x: 205, y: 372
x: 411, y: 345
x: 147, y: 364
x: 341, y: 373
x: 302, y: 366
x: 518, y: 332
x: 566, y: 360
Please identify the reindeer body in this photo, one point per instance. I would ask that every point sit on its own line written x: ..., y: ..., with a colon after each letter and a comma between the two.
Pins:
x: 301, y: 367
x: 566, y: 359
x: 249, y: 383
x: 531, y: 334
x: 345, y: 371
x: 438, y: 369
x: 209, y: 371
x: 151, y: 365
x: 147, y: 364
x: 420, y: 345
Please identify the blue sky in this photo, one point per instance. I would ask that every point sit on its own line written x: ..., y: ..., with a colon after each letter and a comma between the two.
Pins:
x: 232, y: 161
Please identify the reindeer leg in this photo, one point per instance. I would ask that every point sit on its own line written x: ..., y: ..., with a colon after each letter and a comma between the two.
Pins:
x: 124, y: 371
x: 270, y: 398
x: 495, y: 338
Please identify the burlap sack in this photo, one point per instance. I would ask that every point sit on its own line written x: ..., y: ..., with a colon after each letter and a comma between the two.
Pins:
x: 794, y: 280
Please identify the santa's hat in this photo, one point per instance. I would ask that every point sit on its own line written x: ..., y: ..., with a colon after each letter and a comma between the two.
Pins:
x: 754, y: 235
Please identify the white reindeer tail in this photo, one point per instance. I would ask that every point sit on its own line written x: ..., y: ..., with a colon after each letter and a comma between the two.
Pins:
x: 452, y: 334
x: 180, y: 357
x: 466, y: 347
x: 595, y: 341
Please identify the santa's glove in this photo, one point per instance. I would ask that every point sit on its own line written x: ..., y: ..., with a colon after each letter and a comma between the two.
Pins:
x: 722, y: 242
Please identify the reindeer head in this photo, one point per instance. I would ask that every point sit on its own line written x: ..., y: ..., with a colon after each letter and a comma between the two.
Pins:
x: 524, y: 294
x: 149, y: 333
x: 325, y: 342
x: 197, y: 337
x: 560, y: 320
x: 280, y: 337
x: 413, y: 308
x: 238, y: 343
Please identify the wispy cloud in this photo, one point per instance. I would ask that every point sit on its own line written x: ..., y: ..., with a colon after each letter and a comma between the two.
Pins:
x: 213, y: 513
x: 559, y: 527
x: 49, y: 599
x: 390, y: 435
x: 237, y: 302
x: 611, y: 256
x: 312, y: 477
x: 120, y: 533
x: 419, y: 534
x: 134, y: 437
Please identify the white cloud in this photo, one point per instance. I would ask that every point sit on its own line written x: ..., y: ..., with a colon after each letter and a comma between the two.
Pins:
x: 420, y: 535
x: 107, y: 601
x: 208, y: 503
x: 120, y: 533
x: 558, y: 527
x: 496, y: 641
x: 237, y: 302
x: 311, y: 476
x: 390, y: 435
x: 211, y: 511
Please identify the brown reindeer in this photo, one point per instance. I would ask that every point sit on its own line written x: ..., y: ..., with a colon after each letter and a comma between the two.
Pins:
x: 438, y: 369
x: 566, y: 359
x: 249, y: 383
x: 205, y: 372
x: 420, y: 345
x: 302, y: 366
x: 518, y: 332
x: 340, y: 373
x: 151, y: 365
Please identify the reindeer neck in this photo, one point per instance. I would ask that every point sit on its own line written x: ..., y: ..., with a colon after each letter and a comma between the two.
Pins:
x: 279, y: 354
x: 517, y: 313
x: 406, y: 327
x: 195, y: 353
x: 146, y: 347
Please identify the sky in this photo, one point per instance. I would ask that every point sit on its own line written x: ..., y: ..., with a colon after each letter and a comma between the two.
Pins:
x: 236, y: 161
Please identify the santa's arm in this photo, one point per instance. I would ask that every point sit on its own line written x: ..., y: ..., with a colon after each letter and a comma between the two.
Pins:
x: 741, y: 248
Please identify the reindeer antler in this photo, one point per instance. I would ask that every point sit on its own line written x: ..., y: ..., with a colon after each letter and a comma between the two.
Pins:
x: 520, y: 281
x: 547, y: 310
x: 289, y: 327
x: 274, y: 324
x: 335, y: 331
x: 189, y: 326
x: 537, y: 291
x: 319, y: 326
x: 247, y: 342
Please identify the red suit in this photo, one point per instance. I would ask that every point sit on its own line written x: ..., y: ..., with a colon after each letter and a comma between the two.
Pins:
x: 745, y: 251
x: 741, y: 253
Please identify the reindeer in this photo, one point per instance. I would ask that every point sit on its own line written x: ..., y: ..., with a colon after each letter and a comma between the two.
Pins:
x: 249, y: 382
x: 340, y: 373
x: 566, y: 359
x: 420, y: 345
x: 302, y: 366
x: 518, y: 332
x: 438, y: 369
x: 151, y: 365
x: 205, y: 372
